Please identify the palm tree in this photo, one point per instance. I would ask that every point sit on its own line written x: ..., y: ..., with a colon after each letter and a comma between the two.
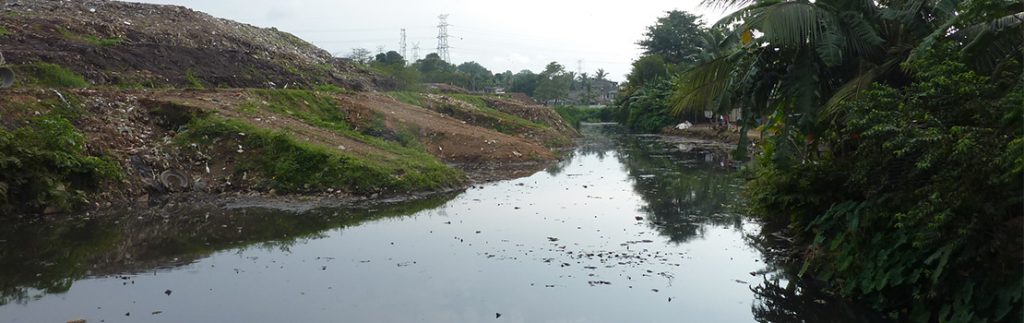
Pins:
x: 794, y: 61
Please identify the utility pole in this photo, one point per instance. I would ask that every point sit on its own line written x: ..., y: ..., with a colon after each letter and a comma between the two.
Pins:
x: 442, y: 38
x: 579, y: 67
x: 402, y: 45
x: 415, y: 52
x: 380, y: 49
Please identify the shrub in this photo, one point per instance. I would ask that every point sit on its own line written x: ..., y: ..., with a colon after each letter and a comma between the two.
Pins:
x: 44, y: 164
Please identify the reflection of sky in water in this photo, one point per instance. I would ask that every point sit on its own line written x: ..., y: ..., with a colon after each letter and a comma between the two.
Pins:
x: 625, y: 230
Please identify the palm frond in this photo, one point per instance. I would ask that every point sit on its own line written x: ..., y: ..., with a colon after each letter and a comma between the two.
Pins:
x: 744, y: 14
x: 701, y: 86
x: 855, y: 86
x: 790, y: 24
x: 863, y: 38
x: 830, y: 47
x: 988, y: 44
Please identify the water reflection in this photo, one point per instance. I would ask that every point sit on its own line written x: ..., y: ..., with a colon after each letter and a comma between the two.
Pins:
x: 43, y: 257
x: 686, y: 184
x: 624, y: 229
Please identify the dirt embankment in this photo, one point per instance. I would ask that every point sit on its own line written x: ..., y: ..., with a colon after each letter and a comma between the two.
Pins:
x: 144, y: 45
x: 185, y: 104
x: 139, y: 129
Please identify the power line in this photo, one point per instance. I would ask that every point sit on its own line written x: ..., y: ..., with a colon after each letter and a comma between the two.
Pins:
x: 442, y: 38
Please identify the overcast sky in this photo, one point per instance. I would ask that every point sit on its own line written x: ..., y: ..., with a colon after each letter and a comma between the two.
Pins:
x: 501, y: 35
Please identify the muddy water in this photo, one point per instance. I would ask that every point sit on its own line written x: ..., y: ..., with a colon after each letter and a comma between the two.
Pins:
x: 625, y: 229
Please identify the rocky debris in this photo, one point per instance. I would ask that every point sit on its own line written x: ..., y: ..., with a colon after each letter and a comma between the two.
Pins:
x: 169, y: 45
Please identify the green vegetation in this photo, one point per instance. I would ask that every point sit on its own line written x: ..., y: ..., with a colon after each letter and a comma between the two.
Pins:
x: 575, y: 115
x: 938, y: 188
x: 892, y: 147
x: 675, y: 43
x: 293, y: 166
x: 413, y: 98
x: 289, y: 165
x: 553, y: 84
x: 4, y: 32
x: 89, y: 39
x: 49, y: 75
x: 330, y: 88
x: 44, y: 163
x: 193, y: 80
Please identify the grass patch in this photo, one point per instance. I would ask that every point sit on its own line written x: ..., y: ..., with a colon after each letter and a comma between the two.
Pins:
x: 193, y: 80
x: 90, y: 39
x: 482, y: 106
x: 329, y: 88
x: 43, y: 163
x: 413, y: 98
x: 49, y: 75
x: 322, y: 110
x: 4, y: 32
x: 293, y: 166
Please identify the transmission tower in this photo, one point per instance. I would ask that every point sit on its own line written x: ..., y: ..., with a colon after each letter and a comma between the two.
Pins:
x: 415, y: 51
x: 402, y: 44
x: 442, y: 38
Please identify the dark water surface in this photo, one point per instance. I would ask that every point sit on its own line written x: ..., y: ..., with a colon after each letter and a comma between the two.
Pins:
x: 625, y: 229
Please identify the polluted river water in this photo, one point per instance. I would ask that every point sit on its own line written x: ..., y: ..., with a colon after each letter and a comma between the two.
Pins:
x: 624, y: 229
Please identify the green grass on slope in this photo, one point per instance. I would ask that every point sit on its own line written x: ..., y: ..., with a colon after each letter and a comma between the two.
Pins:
x: 293, y: 166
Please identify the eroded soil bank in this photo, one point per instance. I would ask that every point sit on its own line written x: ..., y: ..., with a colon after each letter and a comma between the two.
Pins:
x: 174, y: 146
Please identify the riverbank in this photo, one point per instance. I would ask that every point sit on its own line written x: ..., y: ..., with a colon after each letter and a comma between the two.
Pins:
x: 116, y: 109
x: 179, y: 145
x: 710, y: 132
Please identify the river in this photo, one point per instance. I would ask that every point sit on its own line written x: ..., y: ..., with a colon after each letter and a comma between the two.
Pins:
x: 624, y: 229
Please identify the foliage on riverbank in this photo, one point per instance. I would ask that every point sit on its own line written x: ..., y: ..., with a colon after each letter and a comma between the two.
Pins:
x: 574, y: 115
x: 44, y: 163
x: 915, y: 204
x: 892, y: 144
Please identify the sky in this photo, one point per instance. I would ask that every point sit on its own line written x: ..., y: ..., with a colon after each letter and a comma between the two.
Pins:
x: 500, y: 35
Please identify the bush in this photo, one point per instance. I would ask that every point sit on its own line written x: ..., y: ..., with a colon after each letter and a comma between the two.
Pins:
x: 915, y: 204
x: 50, y: 75
x: 646, y: 109
x: 44, y: 164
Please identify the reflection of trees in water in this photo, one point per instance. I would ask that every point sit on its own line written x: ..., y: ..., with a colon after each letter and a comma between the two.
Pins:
x: 781, y: 301
x: 784, y: 297
x: 685, y: 190
x: 39, y: 258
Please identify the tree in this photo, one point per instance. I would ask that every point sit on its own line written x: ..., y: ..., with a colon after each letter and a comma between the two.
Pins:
x: 435, y: 70
x: 677, y: 37
x: 393, y: 64
x: 477, y: 76
x: 600, y: 75
x: 797, y: 60
x: 646, y: 69
x: 553, y: 83
x: 390, y: 58
x: 525, y: 82
x: 360, y: 55
x: 892, y: 144
x: 504, y: 79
